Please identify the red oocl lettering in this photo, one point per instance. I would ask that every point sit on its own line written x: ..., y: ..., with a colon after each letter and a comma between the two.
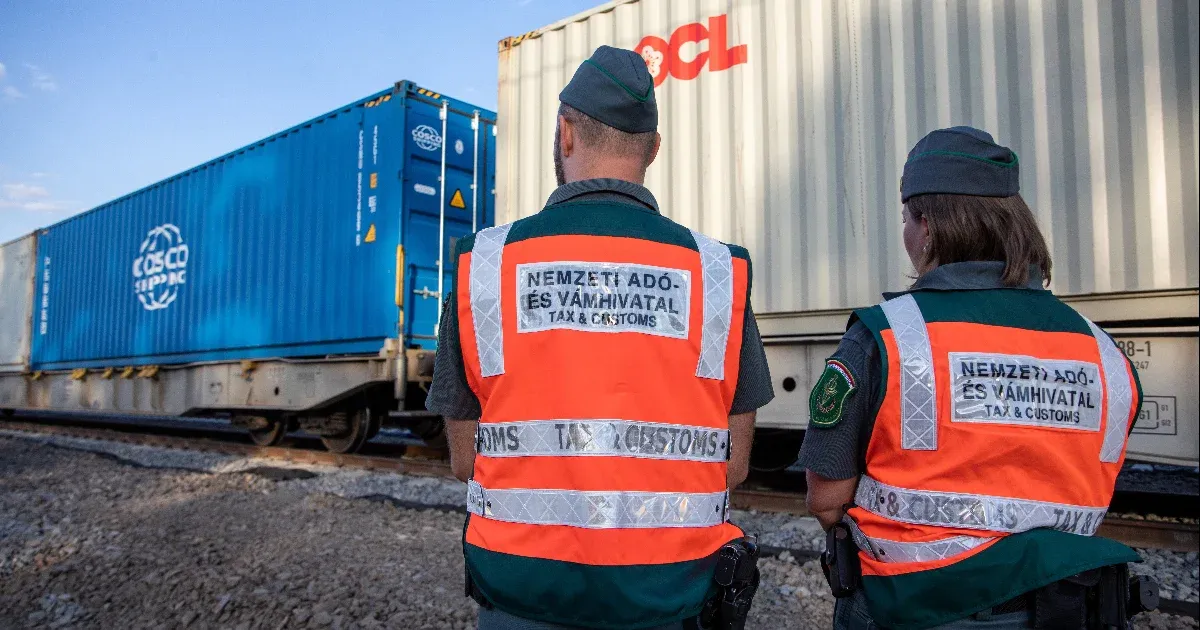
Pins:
x: 664, y: 56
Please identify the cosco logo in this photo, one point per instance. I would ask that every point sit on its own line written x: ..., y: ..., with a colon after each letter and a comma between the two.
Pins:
x: 666, y: 56
x: 427, y: 137
x: 160, y: 268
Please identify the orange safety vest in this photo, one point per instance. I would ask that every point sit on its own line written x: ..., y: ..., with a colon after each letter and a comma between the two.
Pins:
x: 605, y: 367
x: 1003, y: 411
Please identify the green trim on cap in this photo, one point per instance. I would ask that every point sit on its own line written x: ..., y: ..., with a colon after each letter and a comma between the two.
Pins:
x: 969, y: 156
x: 608, y: 74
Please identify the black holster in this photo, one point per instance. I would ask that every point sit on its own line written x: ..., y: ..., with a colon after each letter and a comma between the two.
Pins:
x: 737, y: 579
x: 840, y: 561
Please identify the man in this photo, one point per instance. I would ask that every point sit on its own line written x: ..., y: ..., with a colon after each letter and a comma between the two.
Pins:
x: 599, y: 369
x: 974, y: 425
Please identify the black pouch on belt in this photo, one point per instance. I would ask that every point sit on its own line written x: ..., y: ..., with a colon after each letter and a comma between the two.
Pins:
x: 1064, y: 604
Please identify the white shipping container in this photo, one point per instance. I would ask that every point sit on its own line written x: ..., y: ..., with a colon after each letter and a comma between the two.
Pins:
x: 16, y: 302
x: 785, y: 125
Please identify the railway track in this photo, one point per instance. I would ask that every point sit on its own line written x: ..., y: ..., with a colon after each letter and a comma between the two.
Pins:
x: 1129, y: 529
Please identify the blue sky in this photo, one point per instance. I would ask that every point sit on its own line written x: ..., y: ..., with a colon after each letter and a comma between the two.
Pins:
x: 99, y: 98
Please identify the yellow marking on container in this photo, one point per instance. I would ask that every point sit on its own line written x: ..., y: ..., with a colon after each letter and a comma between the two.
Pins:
x: 387, y: 98
x: 370, y: 237
x: 78, y: 374
x: 127, y: 372
x: 457, y: 200
x: 400, y: 277
x: 107, y: 373
x: 374, y: 180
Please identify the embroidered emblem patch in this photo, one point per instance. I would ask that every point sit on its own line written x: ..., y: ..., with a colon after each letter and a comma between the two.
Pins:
x: 829, y: 396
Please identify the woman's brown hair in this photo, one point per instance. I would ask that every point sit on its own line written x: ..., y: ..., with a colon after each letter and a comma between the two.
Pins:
x: 964, y: 228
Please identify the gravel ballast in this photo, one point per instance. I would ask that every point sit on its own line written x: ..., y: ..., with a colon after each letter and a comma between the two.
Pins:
x: 107, y: 535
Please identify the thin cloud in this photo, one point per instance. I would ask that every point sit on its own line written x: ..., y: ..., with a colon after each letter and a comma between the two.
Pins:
x: 3, y: 71
x: 11, y: 93
x: 34, y: 206
x: 20, y: 196
x: 23, y: 192
x: 40, y: 79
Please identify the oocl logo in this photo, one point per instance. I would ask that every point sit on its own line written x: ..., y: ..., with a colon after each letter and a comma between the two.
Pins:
x: 427, y: 137
x: 160, y: 268
x: 664, y: 56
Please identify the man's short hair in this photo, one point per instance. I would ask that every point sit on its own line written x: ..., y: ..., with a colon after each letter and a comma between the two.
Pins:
x: 599, y: 136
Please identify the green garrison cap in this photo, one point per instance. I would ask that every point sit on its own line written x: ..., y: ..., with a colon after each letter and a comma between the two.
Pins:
x: 960, y: 161
x: 615, y: 88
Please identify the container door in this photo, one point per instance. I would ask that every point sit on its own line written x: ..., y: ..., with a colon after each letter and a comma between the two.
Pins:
x: 438, y: 215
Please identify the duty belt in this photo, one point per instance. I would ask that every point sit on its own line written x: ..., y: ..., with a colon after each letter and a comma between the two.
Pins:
x: 598, y: 510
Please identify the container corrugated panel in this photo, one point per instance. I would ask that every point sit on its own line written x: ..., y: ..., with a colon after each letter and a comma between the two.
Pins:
x: 16, y: 301
x: 786, y: 123
x: 287, y: 247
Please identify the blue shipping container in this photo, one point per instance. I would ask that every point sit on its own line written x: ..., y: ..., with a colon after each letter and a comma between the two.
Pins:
x: 288, y: 247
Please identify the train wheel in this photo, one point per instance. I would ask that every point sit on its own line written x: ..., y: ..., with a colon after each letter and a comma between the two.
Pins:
x: 357, y: 433
x: 272, y: 435
x: 375, y: 425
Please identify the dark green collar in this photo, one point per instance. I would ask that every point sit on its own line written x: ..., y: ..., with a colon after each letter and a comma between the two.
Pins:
x: 970, y: 276
x: 607, y: 189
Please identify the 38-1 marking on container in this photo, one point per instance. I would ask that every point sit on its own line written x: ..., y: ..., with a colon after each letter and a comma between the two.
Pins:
x: 1024, y: 390
x: 603, y: 297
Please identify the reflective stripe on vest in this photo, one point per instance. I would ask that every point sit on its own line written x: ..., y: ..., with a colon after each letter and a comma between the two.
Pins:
x: 486, y: 259
x: 885, y: 550
x: 918, y: 404
x: 602, y: 437
x: 1120, y: 396
x: 974, y: 511
x: 716, y: 263
x: 598, y: 510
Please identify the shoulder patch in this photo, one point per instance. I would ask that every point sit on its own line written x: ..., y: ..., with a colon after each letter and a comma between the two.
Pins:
x: 828, y: 397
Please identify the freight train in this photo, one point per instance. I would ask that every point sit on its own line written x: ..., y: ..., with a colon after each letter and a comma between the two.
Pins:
x: 260, y: 285
x: 291, y: 284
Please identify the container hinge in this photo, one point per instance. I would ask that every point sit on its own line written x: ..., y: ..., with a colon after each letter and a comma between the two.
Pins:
x: 107, y: 373
x: 78, y: 374
x: 148, y: 371
x: 37, y: 376
x: 426, y: 292
x: 127, y: 372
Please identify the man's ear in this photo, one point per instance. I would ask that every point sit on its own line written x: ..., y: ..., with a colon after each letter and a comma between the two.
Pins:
x: 566, y: 136
x: 654, y: 151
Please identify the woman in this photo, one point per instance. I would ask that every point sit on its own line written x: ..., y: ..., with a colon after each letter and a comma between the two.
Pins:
x: 968, y: 432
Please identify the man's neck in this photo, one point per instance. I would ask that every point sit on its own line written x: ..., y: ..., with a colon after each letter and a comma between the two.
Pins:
x: 630, y: 173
